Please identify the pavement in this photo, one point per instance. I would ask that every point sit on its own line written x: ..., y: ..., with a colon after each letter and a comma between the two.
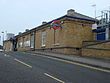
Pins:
x: 97, y: 62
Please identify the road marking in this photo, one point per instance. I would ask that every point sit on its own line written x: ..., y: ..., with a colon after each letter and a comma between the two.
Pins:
x: 23, y: 63
x: 54, y: 78
x: 6, y: 55
x: 75, y: 63
x: 79, y: 64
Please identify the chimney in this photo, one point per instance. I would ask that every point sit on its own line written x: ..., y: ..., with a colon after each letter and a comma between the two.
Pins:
x: 44, y: 22
x: 19, y: 33
x: 70, y: 12
x: 26, y: 30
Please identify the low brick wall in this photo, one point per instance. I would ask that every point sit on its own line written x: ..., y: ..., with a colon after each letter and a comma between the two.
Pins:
x: 102, y: 53
x: 63, y: 50
x: 97, y: 50
x: 24, y: 49
x: 86, y: 43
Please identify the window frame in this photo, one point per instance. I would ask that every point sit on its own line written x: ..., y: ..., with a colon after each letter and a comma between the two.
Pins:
x: 43, y: 38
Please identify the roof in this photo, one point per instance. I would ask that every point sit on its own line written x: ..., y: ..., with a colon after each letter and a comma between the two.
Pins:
x: 81, y: 16
x: 74, y: 16
x: 6, y: 40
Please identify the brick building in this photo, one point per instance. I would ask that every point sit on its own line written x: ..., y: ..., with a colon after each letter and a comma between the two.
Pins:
x: 8, y: 45
x: 63, y: 35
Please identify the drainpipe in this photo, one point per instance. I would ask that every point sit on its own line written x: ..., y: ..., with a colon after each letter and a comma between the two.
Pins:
x: 54, y: 36
x: 34, y: 39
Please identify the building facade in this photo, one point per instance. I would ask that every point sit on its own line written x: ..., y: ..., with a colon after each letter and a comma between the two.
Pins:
x: 62, y: 35
x: 7, y: 46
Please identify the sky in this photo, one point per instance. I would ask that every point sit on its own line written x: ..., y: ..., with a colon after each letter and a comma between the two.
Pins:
x: 18, y: 15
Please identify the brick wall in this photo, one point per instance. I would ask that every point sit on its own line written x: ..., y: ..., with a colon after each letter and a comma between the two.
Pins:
x: 72, y: 34
x: 101, y: 49
x: 77, y: 32
x: 8, y: 46
x: 23, y: 39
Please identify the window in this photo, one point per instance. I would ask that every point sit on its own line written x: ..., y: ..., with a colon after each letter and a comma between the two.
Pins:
x: 43, y: 39
x: 32, y: 40
x: 20, y: 44
x: 27, y: 43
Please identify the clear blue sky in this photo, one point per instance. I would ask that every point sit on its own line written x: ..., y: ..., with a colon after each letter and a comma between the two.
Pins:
x: 18, y: 15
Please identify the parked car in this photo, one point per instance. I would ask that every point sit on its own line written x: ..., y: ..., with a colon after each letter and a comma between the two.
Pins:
x: 1, y: 50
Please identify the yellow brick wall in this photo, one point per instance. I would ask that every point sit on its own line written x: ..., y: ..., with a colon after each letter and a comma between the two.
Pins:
x: 99, y: 50
x: 96, y: 53
x: 7, y: 46
x: 71, y: 35
x: 105, y: 45
x: 69, y: 51
x: 38, y: 39
x: 49, y: 38
x: 23, y: 39
x: 76, y: 33
x: 50, y: 43
x: 94, y: 35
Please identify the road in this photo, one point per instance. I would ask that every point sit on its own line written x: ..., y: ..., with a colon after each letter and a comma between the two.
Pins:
x: 19, y: 67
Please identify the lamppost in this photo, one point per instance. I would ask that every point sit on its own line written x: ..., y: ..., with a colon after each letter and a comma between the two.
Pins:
x: 2, y: 37
x: 94, y: 5
x: 94, y: 26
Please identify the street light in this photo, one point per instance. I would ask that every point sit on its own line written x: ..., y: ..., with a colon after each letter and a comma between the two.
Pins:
x: 2, y: 37
x: 94, y: 26
x: 94, y: 5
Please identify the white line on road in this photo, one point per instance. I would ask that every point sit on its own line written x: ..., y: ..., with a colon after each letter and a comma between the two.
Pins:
x: 75, y: 63
x: 23, y: 63
x: 54, y: 78
x: 6, y: 55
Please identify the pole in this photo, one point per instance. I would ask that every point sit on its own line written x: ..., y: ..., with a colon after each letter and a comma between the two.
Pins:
x: 5, y: 35
x: 2, y: 37
x: 94, y: 5
x: 54, y: 36
x: 109, y: 14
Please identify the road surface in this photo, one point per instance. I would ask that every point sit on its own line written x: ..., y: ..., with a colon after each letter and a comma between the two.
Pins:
x: 19, y: 67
